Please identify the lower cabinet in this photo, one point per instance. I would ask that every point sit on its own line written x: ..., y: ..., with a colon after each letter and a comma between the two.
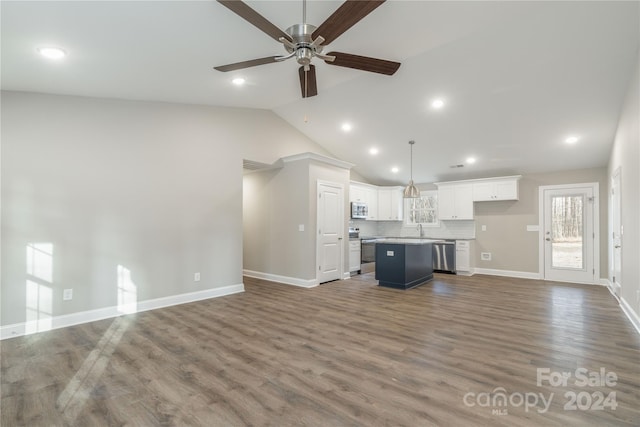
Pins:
x: 463, y: 257
x: 354, y: 255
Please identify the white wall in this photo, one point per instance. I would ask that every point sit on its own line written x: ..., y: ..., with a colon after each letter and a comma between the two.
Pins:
x: 626, y: 156
x: 136, y: 194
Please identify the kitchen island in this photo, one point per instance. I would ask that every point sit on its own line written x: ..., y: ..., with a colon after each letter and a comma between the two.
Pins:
x: 404, y: 263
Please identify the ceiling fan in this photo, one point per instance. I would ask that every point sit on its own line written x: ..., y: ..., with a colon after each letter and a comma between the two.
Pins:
x: 305, y: 41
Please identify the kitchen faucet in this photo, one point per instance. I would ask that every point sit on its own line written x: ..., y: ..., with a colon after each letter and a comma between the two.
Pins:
x: 420, y: 230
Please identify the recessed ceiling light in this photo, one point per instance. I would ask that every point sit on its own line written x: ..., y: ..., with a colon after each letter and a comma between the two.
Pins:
x: 346, y: 127
x: 373, y: 151
x: 52, y: 52
x: 571, y: 140
x: 394, y: 169
x: 471, y: 160
x: 238, y: 81
x: 437, y: 103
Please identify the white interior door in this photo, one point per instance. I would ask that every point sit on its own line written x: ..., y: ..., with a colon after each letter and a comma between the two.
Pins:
x: 569, y: 234
x: 330, y: 231
x: 616, y: 233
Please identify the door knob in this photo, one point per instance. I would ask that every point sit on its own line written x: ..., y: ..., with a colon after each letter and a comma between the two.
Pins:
x: 617, y: 246
x: 548, y: 239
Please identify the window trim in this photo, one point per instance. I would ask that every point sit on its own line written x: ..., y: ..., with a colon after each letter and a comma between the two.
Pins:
x: 423, y: 193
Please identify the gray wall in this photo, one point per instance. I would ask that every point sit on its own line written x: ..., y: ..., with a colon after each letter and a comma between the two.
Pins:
x: 511, y: 245
x: 626, y: 155
x: 276, y: 202
x: 154, y: 188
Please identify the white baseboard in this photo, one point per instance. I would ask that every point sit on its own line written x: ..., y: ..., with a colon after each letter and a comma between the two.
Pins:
x: 346, y: 276
x: 613, y: 287
x: 465, y: 273
x: 304, y: 283
x: 507, y: 273
x: 25, y: 328
x: 631, y: 314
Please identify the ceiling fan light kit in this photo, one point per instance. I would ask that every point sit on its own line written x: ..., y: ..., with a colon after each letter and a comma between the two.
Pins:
x: 304, y: 42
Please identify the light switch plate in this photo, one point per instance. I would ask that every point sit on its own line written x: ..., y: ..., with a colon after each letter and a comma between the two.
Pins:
x: 301, y: 227
x: 67, y: 294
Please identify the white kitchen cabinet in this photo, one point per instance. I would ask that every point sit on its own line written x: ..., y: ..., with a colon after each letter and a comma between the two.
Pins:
x: 372, y: 202
x: 390, y: 203
x: 455, y: 201
x: 357, y: 193
x: 365, y: 194
x: 354, y: 255
x: 493, y: 190
x: 463, y: 257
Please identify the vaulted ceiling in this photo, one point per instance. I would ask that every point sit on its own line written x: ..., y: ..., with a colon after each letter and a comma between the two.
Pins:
x: 516, y: 78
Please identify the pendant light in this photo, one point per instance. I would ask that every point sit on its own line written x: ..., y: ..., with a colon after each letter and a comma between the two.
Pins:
x: 411, y: 192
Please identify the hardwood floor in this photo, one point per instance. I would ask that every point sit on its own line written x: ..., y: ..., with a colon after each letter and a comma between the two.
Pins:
x: 346, y: 353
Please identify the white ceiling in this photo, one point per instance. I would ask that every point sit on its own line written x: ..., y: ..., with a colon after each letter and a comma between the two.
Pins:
x: 517, y: 77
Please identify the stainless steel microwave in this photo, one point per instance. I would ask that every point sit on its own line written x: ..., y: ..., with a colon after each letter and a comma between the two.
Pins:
x: 359, y: 210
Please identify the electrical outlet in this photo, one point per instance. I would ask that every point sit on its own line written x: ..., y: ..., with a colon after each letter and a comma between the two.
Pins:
x: 485, y: 256
x: 196, y: 277
x: 484, y: 228
x: 301, y: 227
x: 67, y: 294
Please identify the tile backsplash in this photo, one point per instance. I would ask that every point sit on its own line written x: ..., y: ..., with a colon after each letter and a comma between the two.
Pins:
x: 445, y: 230
x: 367, y: 228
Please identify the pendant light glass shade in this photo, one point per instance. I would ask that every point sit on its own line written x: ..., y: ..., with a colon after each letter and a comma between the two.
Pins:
x: 411, y: 192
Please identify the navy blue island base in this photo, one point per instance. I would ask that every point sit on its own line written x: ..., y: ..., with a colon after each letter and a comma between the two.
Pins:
x: 404, y: 263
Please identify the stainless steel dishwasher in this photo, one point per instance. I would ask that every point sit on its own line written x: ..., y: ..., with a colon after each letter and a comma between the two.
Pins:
x: 444, y: 257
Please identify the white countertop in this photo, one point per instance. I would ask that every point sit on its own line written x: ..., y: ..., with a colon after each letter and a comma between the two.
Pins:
x: 407, y: 241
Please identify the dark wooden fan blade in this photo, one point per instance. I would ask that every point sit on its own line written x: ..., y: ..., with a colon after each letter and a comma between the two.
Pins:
x: 245, y: 12
x: 345, y: 17
x: 364, y: 63
x: 246, y: 64
x: 308, y: 84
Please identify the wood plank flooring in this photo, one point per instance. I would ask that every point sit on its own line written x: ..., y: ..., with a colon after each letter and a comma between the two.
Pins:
x: 346, y: 353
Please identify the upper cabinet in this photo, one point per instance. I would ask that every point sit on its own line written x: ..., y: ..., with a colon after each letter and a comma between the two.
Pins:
x: 366, y: 194
x: 455, y: 201
x: 455, y: 198
x: 383, y: 203
x: 390, y: 204
x: 494, y: 189
x: 372, y: 202
x: 357, y: 193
